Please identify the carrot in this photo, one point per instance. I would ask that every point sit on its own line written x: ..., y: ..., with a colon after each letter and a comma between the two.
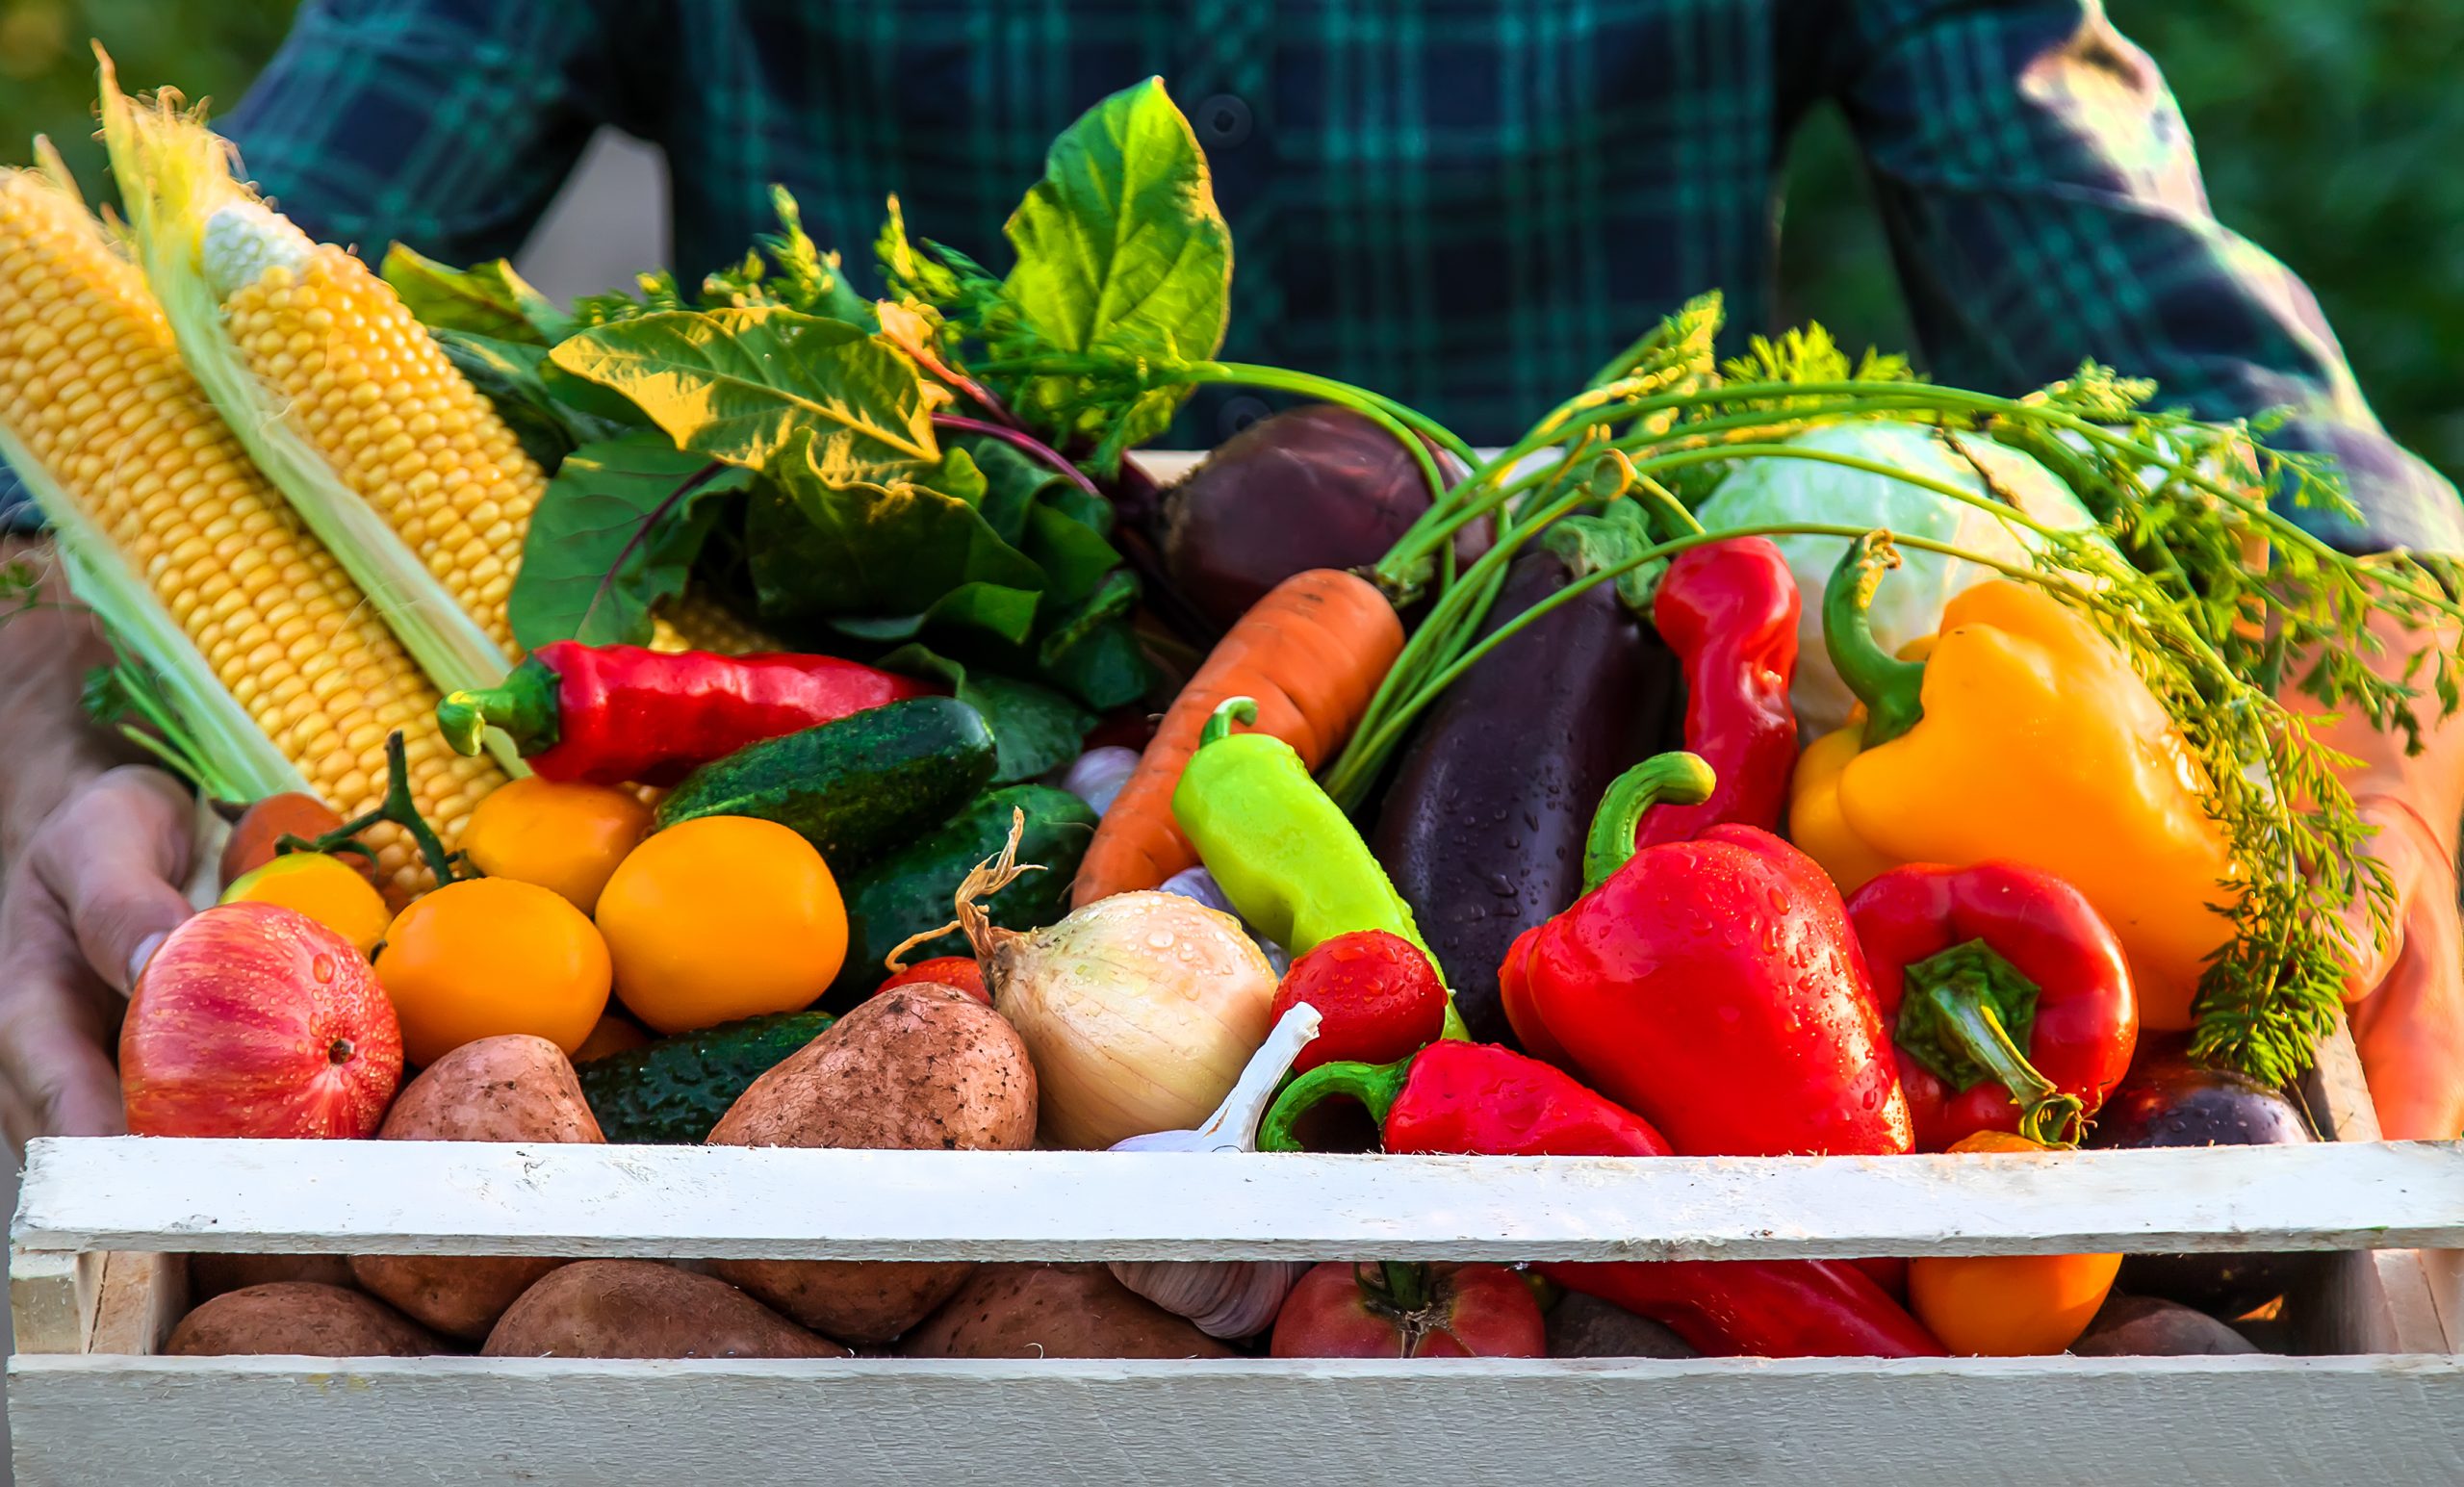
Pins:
x: 1312, y: 652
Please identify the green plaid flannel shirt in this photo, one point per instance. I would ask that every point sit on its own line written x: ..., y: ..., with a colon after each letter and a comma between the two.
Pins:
x: 1467, y: 204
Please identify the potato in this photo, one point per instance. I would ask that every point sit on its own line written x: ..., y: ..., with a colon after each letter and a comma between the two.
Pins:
x: 1582, y: 1326
x: 2143, y: 1326
x: 511, y: 1088
x: 919, y: 1067
x: 299, y: 1317
x: 1054, y: 1311
x: 211, y: 1276
x: 643, y: 1309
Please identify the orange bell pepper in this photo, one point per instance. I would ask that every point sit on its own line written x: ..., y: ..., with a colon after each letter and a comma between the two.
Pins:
x: 2008, y: 1306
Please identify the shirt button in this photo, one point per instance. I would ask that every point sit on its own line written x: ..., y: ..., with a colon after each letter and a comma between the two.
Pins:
x: 1224, y: 122
x: 1238, y: 413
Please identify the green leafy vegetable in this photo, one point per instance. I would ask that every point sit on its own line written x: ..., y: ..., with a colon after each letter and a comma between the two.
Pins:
x: 513, y: 376
x: 739, y: 385
x: 1121, y: 252
x: 824, y: 547
x: 614, y: 534
x: 785, y: 269
x: 488, y: 300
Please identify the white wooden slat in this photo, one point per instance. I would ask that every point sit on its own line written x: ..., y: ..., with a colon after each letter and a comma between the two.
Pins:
x: 1701, y: 1423
x: 471, y: 1198
x: 51, y: 1299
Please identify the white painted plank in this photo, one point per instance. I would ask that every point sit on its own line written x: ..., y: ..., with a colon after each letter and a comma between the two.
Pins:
x: 471, y: 1198
x: 2084, y: 1422
x: 51, y: 1299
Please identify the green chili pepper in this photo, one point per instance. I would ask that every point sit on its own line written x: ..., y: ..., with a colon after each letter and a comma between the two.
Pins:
x: 1284, y: 853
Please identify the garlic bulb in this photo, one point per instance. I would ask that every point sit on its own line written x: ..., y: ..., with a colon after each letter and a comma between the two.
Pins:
x: 1097, y: 775
x: 1227, y: 1297
x: 1138, y: 1011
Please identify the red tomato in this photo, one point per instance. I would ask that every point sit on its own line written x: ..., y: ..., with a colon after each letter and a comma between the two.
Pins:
x: 1410, y: 1311
x: 948, y: 970
x: 1378, y: 996
x: 253, y: 1019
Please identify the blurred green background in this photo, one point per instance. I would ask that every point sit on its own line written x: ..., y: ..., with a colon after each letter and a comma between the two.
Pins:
x: 2333, y: 133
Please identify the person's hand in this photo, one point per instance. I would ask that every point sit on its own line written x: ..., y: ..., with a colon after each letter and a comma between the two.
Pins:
x: 2406, y: 997
x: 87, y: 901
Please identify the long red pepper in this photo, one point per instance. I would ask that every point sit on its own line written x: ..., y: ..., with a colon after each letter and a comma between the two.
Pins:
x: 1479, y: 1099
x: 1714, y: 986
x: 2009, y: 996
x: 613, y: 714
x: 1729, y: 610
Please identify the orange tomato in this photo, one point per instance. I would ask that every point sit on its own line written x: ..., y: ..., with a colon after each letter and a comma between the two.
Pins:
x: 2008, y: 1306
x: 325, y: 888
x: 722, y: 917
x: 489, y: 956
x: 564, y: 836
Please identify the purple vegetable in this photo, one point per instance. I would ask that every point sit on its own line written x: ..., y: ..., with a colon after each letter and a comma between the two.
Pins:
x: 1482, y: 829
x: 1312, y: 487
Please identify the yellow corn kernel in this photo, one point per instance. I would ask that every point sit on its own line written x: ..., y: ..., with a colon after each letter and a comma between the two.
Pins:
x: 92, y: 383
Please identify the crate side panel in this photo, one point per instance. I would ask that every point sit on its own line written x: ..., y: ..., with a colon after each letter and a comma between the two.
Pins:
x: 2247, y: 1423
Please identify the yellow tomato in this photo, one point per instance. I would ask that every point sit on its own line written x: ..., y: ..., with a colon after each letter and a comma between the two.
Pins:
x: 325, y: 888
x: 564, y: 837
x: 2008, y: 1306
x: 487, y: 957
x: 722, y: 917
x: 616, y: 1033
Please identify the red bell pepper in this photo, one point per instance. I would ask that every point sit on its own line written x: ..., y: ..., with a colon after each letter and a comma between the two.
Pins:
x: 2009, y: 995
x: 1729, y: 612
x: 1714, y: 986
x: 619, y: 714
x: 1479, y: 1099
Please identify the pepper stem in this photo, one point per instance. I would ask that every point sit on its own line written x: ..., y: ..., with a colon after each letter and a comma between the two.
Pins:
x: 1375, y: 1086
x: 1674, y: 779
x: 524, y: 704
x: 1965, y: 1015
x: 1890, y: 689
x: 1230, y: 710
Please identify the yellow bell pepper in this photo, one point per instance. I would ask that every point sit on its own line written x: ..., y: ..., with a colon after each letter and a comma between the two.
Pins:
x: 2023, y: 735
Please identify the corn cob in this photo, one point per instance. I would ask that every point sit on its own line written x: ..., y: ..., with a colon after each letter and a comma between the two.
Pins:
x: 695, y: 622
x: 362, y: 381
x: 181, y: 545
x: 396, y: 464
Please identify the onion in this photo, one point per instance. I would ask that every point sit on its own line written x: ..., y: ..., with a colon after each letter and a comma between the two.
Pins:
x: 1097, y: 775
x: 1139, y: 1009
x: 1197, y: 883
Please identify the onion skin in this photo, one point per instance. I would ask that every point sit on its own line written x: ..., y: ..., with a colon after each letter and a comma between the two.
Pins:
x: 254, y: 1020
x: 1128, y: 1035
x: 1310, y: 487
x: 1482, y: 829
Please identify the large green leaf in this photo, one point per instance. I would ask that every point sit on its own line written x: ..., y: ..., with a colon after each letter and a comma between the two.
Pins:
x: 616, y: 531
x: 741, y: 384
x: 993, y: 608
x: 824, y: 547
x: 1121, y: 247
x: 488, y: 300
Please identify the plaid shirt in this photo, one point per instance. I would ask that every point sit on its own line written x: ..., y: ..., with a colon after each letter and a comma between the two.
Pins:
x: 1466, y: 204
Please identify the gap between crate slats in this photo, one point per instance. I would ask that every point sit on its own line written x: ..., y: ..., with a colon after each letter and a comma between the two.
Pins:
x: 2210, y: 1422
x: 471, y: 1198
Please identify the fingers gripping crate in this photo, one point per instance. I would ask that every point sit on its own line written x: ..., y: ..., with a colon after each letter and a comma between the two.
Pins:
x: 98, y: 1281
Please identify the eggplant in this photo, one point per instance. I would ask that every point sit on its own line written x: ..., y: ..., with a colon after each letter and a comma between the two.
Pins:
x: 2168, y: 1099
x: 1310, y: 487
x: 1483, y: 826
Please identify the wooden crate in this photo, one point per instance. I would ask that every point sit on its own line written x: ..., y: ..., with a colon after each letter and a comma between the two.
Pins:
x: 97, y: 1280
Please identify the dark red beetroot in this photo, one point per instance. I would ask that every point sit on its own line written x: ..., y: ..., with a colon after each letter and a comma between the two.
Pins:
x: 1311, y: 487
x: 1410, y: 1311
x: 1482, y: 828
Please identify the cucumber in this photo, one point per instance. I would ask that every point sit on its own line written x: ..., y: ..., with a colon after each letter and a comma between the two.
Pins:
x: 672, y: 1092
x: 911, y: 890
x: 855, y: 789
